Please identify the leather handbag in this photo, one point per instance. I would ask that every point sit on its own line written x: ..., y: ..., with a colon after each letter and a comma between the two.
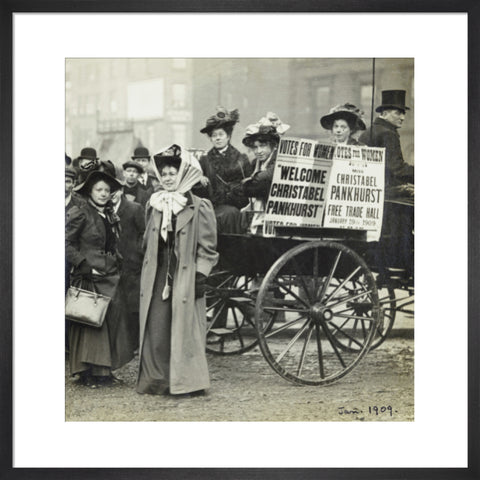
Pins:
x: 86, y: 307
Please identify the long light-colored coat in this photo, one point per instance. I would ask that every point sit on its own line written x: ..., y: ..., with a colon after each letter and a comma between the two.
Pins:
x: 195, y: 250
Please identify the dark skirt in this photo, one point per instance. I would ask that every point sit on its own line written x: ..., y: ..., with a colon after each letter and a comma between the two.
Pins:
x: 101, y: 350
x: 229, y: 219
x: 154, y: 369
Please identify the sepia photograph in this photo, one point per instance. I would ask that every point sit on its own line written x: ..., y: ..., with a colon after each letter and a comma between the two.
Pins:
x: 239, y: 239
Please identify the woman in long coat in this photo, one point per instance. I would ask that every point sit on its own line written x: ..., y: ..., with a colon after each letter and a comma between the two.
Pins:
x: 180, y: 241
x: 91, y: 247
x: 224, y: 168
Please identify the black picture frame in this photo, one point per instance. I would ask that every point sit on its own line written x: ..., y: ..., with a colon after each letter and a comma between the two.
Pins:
x: 472, y: 7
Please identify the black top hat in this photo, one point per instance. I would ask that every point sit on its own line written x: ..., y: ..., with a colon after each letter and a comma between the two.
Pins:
x: 170, y: 157
x: 348, y: 112
x: 141, y: 152
x: 221, y: 119
x: 131, y: 164
x: 97, y: 176
x: 392, y: 99
x: 88, y: 153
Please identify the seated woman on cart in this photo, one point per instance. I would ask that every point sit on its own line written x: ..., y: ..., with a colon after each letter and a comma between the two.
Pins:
x: 223, y: 168
x: 262, y: 138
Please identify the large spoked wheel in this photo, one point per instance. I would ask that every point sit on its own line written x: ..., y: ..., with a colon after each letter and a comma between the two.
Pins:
x: 304, y: 313
x: 230, y: 314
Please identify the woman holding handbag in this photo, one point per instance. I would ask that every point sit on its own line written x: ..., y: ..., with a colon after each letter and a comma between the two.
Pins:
x: 180, y: 251
x: 224, y: 167
x: 91, y: 237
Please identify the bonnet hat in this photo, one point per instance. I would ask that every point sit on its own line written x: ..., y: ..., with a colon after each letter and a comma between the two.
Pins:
x: 392, y: 99
x: 170, y: 157
x: 221, y: 119
x: 267, y: 129
x: 348, y: 112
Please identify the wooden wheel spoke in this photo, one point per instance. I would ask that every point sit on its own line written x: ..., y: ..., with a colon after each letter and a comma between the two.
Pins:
x: 358, y: 317
x: 326, y: 283
x: 302, y: 281
x: 291, y: 292
x: 284, y: 326
x: 292, y: 342
x: 213, y: 305
x: 283, y: 309
x: 328, y: 334
x: 239, y: 330
x: 353, y: 297
x: 346, y: 335
x: 339, y: 287
x: 215, y: 317
x: 320, y: 352
x: 304, y: 350
x: 315, y: 269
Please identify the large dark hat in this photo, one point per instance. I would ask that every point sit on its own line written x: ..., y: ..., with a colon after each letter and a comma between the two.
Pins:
x: 267, y: 129
x: 170, y: 157
x: 392, y: 99
x: 94, y: 177
x: 348, y: 112
x: 131, y: 164
x: 141, y: 152
x: 70, y: 172
x: 221, y: 119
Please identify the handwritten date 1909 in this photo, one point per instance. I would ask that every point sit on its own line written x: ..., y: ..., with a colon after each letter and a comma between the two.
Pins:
x: 372, y: 410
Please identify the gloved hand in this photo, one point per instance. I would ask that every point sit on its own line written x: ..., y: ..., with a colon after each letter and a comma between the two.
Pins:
x: 200, y: 284
x: 84, y: 269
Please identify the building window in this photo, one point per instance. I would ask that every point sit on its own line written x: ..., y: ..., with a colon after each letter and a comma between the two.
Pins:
x: 179, y: 94
x: 366, y: 97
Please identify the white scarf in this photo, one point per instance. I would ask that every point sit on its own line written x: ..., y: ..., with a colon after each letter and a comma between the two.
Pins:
x: 168, y: 203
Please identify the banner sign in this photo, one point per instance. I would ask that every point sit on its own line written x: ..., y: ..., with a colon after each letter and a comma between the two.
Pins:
x: 334, y: 186
x: 299, y: 186
x: 356, y: 189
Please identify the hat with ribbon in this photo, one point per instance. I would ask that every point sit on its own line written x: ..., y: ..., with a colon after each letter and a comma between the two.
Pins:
x: 141, y: 152
x: 131, y: 164
x: 221, y: 119
x: 267, y: 129
x: 169, y: 157
x: 392, y: 99
x: 348, y: 112
x: 95, y: 177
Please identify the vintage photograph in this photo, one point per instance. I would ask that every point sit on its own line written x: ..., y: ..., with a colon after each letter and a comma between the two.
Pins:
x: 239, y: 239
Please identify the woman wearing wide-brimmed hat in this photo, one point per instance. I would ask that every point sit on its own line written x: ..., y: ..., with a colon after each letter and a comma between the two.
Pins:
x: 91, y: 247
x: 180, y: 251
x: 224, y: 167
x: 343, y: 121
x: 262, y: 138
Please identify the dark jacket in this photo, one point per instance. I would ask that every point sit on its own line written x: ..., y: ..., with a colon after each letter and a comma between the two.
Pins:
x: 384, y: 134
x: 259, y: 184
x: 138, y: 193
x: 225, y: 173
x: 132, y: 222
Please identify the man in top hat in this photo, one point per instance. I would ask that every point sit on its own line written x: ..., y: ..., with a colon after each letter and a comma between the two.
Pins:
x: 147, y: 179
x: 384, y: 133
x: 399, y: 180
x: 132, y: 188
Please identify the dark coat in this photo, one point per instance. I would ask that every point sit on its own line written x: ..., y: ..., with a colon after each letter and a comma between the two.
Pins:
x: 139, y: 194
x: 132, y: 222
x: 109, y: 346
x: 225, y: 172
x: 259, y: 184
x: 384, y: 134
x: 195, y: 251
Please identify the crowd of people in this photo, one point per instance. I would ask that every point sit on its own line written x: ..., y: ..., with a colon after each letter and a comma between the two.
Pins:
x: 148, y: 241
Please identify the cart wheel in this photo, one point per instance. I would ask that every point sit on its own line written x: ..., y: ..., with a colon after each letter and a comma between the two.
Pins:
x: 230, y: 314
x: 387, y: 318
x: 303, y: 312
